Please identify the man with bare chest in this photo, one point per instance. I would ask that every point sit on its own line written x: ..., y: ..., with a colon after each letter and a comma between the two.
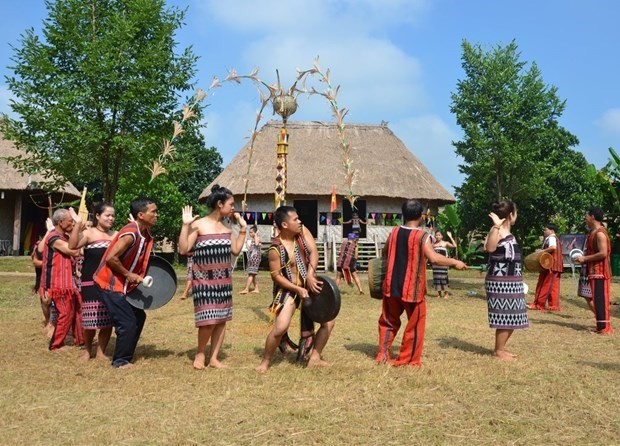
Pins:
x: 293, y: 258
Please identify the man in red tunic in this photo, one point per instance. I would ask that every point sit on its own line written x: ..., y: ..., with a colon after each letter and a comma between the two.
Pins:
x: 548, y: 286
x: 121, y: 269
x: 406, y: 250
x: 57, y: 283
x: 597, y: 259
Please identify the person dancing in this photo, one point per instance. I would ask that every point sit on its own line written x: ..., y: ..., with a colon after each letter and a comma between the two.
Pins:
x: 504, y: 280
x: 440, y: 273
x: 254, y: 256
x: 94, y: 240
x: 212, y: 244
x: 404, y: 287
x: 293, y: 259
x: 347, y: 262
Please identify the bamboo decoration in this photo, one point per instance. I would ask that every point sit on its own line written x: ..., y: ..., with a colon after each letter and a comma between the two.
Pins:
x: 82, y: 211
x: 168, y: 144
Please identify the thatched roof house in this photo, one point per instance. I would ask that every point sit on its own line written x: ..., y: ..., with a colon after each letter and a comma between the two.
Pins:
x: 388, y: 172
x: 21, y: 220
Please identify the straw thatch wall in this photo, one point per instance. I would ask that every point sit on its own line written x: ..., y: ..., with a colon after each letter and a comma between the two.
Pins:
x: 17, y: 209
x: 11, y: 179
x: 387, y: 169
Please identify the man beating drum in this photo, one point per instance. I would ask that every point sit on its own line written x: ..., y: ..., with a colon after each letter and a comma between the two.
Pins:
x: 293, y: 259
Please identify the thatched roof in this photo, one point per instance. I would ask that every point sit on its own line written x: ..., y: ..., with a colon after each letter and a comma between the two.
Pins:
x: 11, y: 179
x: 386, y: 167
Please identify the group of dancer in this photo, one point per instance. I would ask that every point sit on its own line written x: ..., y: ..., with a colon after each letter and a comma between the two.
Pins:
x: 115, y: 262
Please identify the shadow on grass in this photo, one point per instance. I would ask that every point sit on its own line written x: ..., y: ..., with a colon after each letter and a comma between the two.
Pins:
x: 151, y: 351
x: 262, y: 313
x: 367, y: 349
x: 577, y: 327
x: 289, y: 357
x: 613, y: 366
x: 577, y: 302
x: 459, y: 344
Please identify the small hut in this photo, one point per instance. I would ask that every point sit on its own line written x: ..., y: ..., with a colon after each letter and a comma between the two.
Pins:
x: 23, y: 205
x: 388, y: 173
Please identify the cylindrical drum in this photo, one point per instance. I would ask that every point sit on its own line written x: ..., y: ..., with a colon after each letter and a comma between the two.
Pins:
x: 538, y: 261
x: 376, y: 273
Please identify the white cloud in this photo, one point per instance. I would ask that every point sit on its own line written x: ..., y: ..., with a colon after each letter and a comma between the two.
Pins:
x: 610, y: 121
x: 284, y: 17
x: 430, y: 139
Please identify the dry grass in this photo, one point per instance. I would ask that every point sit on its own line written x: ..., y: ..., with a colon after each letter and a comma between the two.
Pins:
x: 563, y: 389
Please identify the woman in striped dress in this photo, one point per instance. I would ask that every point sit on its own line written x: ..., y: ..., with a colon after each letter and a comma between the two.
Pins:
x: 213, y: 247
x: 254, y: 256
x: 94, y: 240
x: 504, y: 280
x: 440, y: 273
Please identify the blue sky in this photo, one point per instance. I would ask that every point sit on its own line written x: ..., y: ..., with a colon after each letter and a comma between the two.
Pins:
x: 396, y: 60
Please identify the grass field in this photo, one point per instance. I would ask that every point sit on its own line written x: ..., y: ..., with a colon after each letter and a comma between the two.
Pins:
x: 562, y: 390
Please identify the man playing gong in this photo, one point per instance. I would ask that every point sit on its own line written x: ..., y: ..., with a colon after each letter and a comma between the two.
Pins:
x: 293, y: 259
x: 548, y: 286
x: 121, y: 269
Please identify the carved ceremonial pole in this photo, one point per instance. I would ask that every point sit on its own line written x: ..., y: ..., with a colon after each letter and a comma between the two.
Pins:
x: 281, y: 173
x: 284, y: 105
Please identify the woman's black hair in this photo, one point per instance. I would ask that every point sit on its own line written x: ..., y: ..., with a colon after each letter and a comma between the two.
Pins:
x: 504, y: 208
x: 98, y: 208
x: 218, y: 193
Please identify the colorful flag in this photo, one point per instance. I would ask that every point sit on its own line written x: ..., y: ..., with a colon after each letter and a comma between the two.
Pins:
x: 334, y: 204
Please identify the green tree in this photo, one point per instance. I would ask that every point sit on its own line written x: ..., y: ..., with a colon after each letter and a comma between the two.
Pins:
x: 192, y: 169
x: 94, y: 94
x: 513, y: 146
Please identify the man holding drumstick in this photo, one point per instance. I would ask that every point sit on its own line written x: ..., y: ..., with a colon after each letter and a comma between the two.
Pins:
x: 293, y: 259
x: 121, y: 269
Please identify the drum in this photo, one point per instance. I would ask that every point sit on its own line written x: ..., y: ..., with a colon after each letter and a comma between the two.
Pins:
x: 376, y: 273
x: 325, y: 306
x: 538, y: 261
x: 162, y: 290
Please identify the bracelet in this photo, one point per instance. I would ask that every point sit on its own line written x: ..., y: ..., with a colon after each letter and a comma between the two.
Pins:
x: 496, y: 227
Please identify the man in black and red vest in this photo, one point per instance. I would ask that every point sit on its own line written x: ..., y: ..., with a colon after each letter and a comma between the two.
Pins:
x: 597, y: 260
x: 121, y: 269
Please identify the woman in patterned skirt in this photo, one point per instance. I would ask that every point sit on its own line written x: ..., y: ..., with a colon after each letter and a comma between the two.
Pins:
x: 440, y: 273
x: 254, y: 256
x: 213, y: 245
x: 95, y: 240
x: 504, y: 280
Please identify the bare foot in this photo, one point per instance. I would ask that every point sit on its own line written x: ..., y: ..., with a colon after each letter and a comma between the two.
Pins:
x: 362, y: 292
x: 129, y: 365
x: 85, y: 356
x: 217, y: 364
x: 262, y: 367
x: 504, y: 355
x: 255, y: 291
x: 101, y: 357
x: 49, y: 330
x: 183, y: 297
x: 318, y: 362
x: 243, y: 292
x: 199, y: 361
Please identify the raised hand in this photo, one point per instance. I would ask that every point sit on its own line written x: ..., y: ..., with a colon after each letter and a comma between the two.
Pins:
x: 76, y: 217
x: 48, y: 224
x: 242, y: 223
x: 496, y: 220
x: 188, y: 217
